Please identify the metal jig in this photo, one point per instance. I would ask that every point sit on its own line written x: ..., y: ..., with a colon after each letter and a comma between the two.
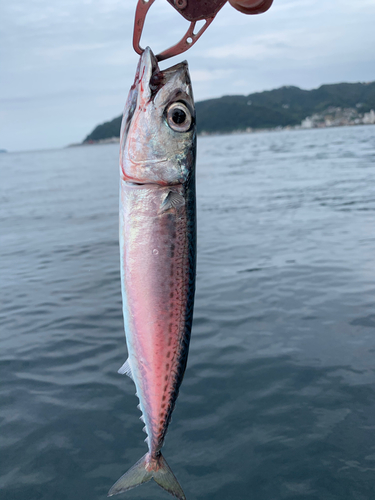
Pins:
x: 191, y: 10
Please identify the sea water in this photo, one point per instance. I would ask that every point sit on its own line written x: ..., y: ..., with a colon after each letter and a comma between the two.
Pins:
x: 278, y: 400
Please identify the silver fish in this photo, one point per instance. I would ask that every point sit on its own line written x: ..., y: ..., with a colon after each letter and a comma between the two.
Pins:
x: 158, y: 251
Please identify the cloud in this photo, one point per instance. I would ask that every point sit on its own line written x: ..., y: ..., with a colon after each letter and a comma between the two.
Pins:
x: 204, y: 75
x: 67, y: 66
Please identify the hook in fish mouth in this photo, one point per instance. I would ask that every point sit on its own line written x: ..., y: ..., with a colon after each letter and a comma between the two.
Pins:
x: 149, y: 80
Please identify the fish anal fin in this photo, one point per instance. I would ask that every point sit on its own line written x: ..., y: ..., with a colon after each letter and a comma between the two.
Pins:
x: 126, y: 369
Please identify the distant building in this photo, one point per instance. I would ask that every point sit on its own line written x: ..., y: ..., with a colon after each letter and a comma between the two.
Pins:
x: 338, y: 117
x: 307, y: 123
x: 369, y: 118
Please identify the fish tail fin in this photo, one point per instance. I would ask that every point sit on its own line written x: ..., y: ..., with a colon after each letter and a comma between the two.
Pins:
x: 136, y: 475
x: 165, y: 478
x: 144, y: 470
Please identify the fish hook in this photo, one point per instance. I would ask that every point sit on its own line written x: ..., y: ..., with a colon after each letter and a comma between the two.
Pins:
x: 192, y: 10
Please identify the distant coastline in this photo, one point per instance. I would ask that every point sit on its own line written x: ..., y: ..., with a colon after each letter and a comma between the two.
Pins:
x: 109, y: 140
x: 286, y: 108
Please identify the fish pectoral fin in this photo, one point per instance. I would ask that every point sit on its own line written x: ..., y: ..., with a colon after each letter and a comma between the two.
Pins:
x: 126, y: 369
x: 172, y: 200
x: 145, y: 469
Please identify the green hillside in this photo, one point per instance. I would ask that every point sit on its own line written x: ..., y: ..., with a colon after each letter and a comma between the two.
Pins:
x: 274, y: 108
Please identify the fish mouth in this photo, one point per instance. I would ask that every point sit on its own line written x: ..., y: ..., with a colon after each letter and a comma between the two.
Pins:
x: 149, y: 81
x: 151, y: 78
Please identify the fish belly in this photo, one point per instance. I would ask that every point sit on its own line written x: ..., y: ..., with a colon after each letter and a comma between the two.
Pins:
x: 157, y: 269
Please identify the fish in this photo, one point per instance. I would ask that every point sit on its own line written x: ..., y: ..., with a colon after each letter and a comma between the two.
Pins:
x: 157, y: 252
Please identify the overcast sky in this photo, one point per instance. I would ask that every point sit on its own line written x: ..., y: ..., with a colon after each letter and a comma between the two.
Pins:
x: 67, y: 65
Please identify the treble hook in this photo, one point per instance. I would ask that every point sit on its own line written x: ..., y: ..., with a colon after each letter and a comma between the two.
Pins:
x: 191, y: 10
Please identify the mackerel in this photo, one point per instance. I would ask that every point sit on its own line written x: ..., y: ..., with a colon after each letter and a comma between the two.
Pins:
x: 158, y: 251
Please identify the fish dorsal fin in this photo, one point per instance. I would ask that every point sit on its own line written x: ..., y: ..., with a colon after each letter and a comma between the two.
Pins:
x: 173, y: 200
x: 126, y: 369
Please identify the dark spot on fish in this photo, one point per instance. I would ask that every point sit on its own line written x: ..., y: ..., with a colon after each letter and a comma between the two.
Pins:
x: 163, y: 398
x: 163, y: 405
x: 167, y: 366
x: 173, y: 235
x: 171, y: 314
x: 166, y: 379
x: 170, y: 330
x: 172, y: 254
x: 172, y: 247
x: 165, y: 387
x: 170, y: 338
x: 168, y: 354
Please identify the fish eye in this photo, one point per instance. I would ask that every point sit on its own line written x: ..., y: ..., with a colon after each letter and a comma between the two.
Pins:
x: 179, y: 117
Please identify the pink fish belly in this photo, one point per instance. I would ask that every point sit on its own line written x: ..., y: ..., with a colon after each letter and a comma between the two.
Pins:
x: 154, y: 260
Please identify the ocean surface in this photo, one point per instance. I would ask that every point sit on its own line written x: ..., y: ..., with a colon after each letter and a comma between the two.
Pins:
x: 278, y: 400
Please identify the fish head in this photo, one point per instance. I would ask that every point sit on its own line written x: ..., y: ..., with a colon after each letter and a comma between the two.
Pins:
x: 158, y: 128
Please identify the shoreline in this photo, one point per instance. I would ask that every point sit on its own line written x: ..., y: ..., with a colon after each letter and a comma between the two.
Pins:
x: 116, y: 140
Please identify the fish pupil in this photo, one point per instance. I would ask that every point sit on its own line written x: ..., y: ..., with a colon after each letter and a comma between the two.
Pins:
x: 178, y: 116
